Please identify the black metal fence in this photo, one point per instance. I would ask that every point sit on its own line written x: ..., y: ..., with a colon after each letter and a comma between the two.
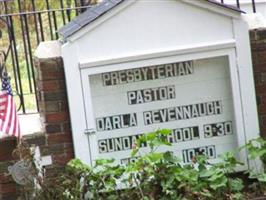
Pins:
x: 238, y: 3
x: 23, y: 25
x: 26, y: 23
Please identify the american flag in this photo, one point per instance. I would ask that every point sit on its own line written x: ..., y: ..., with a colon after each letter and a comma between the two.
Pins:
x: 9, y: 122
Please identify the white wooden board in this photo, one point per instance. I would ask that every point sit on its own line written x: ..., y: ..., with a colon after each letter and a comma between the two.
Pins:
x: 192, y: 98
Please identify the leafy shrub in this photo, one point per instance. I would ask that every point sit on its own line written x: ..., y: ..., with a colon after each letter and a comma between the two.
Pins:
x: 256, y: 149
x: 155, y: 176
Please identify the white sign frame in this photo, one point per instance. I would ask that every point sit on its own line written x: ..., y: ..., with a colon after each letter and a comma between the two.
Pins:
x: 103, y: 65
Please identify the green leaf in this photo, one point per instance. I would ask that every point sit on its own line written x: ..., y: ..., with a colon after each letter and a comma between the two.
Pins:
x: 218, y: 183
x: 155, y: 157
x: 76, y: 164
x: 206, y: 173
x: 150, y: 136
x: 238, y: 196
x: 206, y: 194
x: 165, y: 132
x: 134, y: 152
x: 262, y: 177
x: 169, y: 157
x: 158, y: 143
x: 236, y: 185
x: 101, y: 162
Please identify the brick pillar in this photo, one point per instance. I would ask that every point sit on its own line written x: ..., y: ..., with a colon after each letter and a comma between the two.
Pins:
x: 8, y: 188
x: 56, y: 138
x: 258, y: 48
x: 52, y: 100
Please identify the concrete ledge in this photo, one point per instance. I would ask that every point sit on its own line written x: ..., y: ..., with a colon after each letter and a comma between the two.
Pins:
x: 254, y: 20
x: 49, y: 49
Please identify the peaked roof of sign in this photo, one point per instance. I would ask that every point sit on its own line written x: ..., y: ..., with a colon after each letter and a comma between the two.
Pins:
x: 95, y: 12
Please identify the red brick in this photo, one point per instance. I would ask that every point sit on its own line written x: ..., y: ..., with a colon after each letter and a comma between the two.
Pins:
x: 261, y: 109
x: 53, y: 171
x: 66, y: 127
x: 53, y: 149
x: 263, y: 77
x: 52, y: 128
x: 260, y: 57
x: 7, y: 147
x: 69, y: 150
x: 9, y: 196
x: 258, y: 46
x: 51, y: 85
x: 5, y: 164
x: 262, y: 120
x: 263, y: 132
x: 37, y: 139
x: 261, y: 34
x: 50, y: 65
x: 259, y: 67
x: 56, y: 117
x: 62, y: 159
x: 8, y: 188
x: 5, y: 178
x: 59, y: 138
x: 53, y: 106
x: 57, y: 75
x: 252, y: 35
x: 262, y: 99
x: 53, y: 96
x: 260, y: 89
x: 60, y: 127
x: 257, y: 78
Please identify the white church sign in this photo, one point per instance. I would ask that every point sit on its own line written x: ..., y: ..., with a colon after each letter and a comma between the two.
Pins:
x: 129, y: 73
